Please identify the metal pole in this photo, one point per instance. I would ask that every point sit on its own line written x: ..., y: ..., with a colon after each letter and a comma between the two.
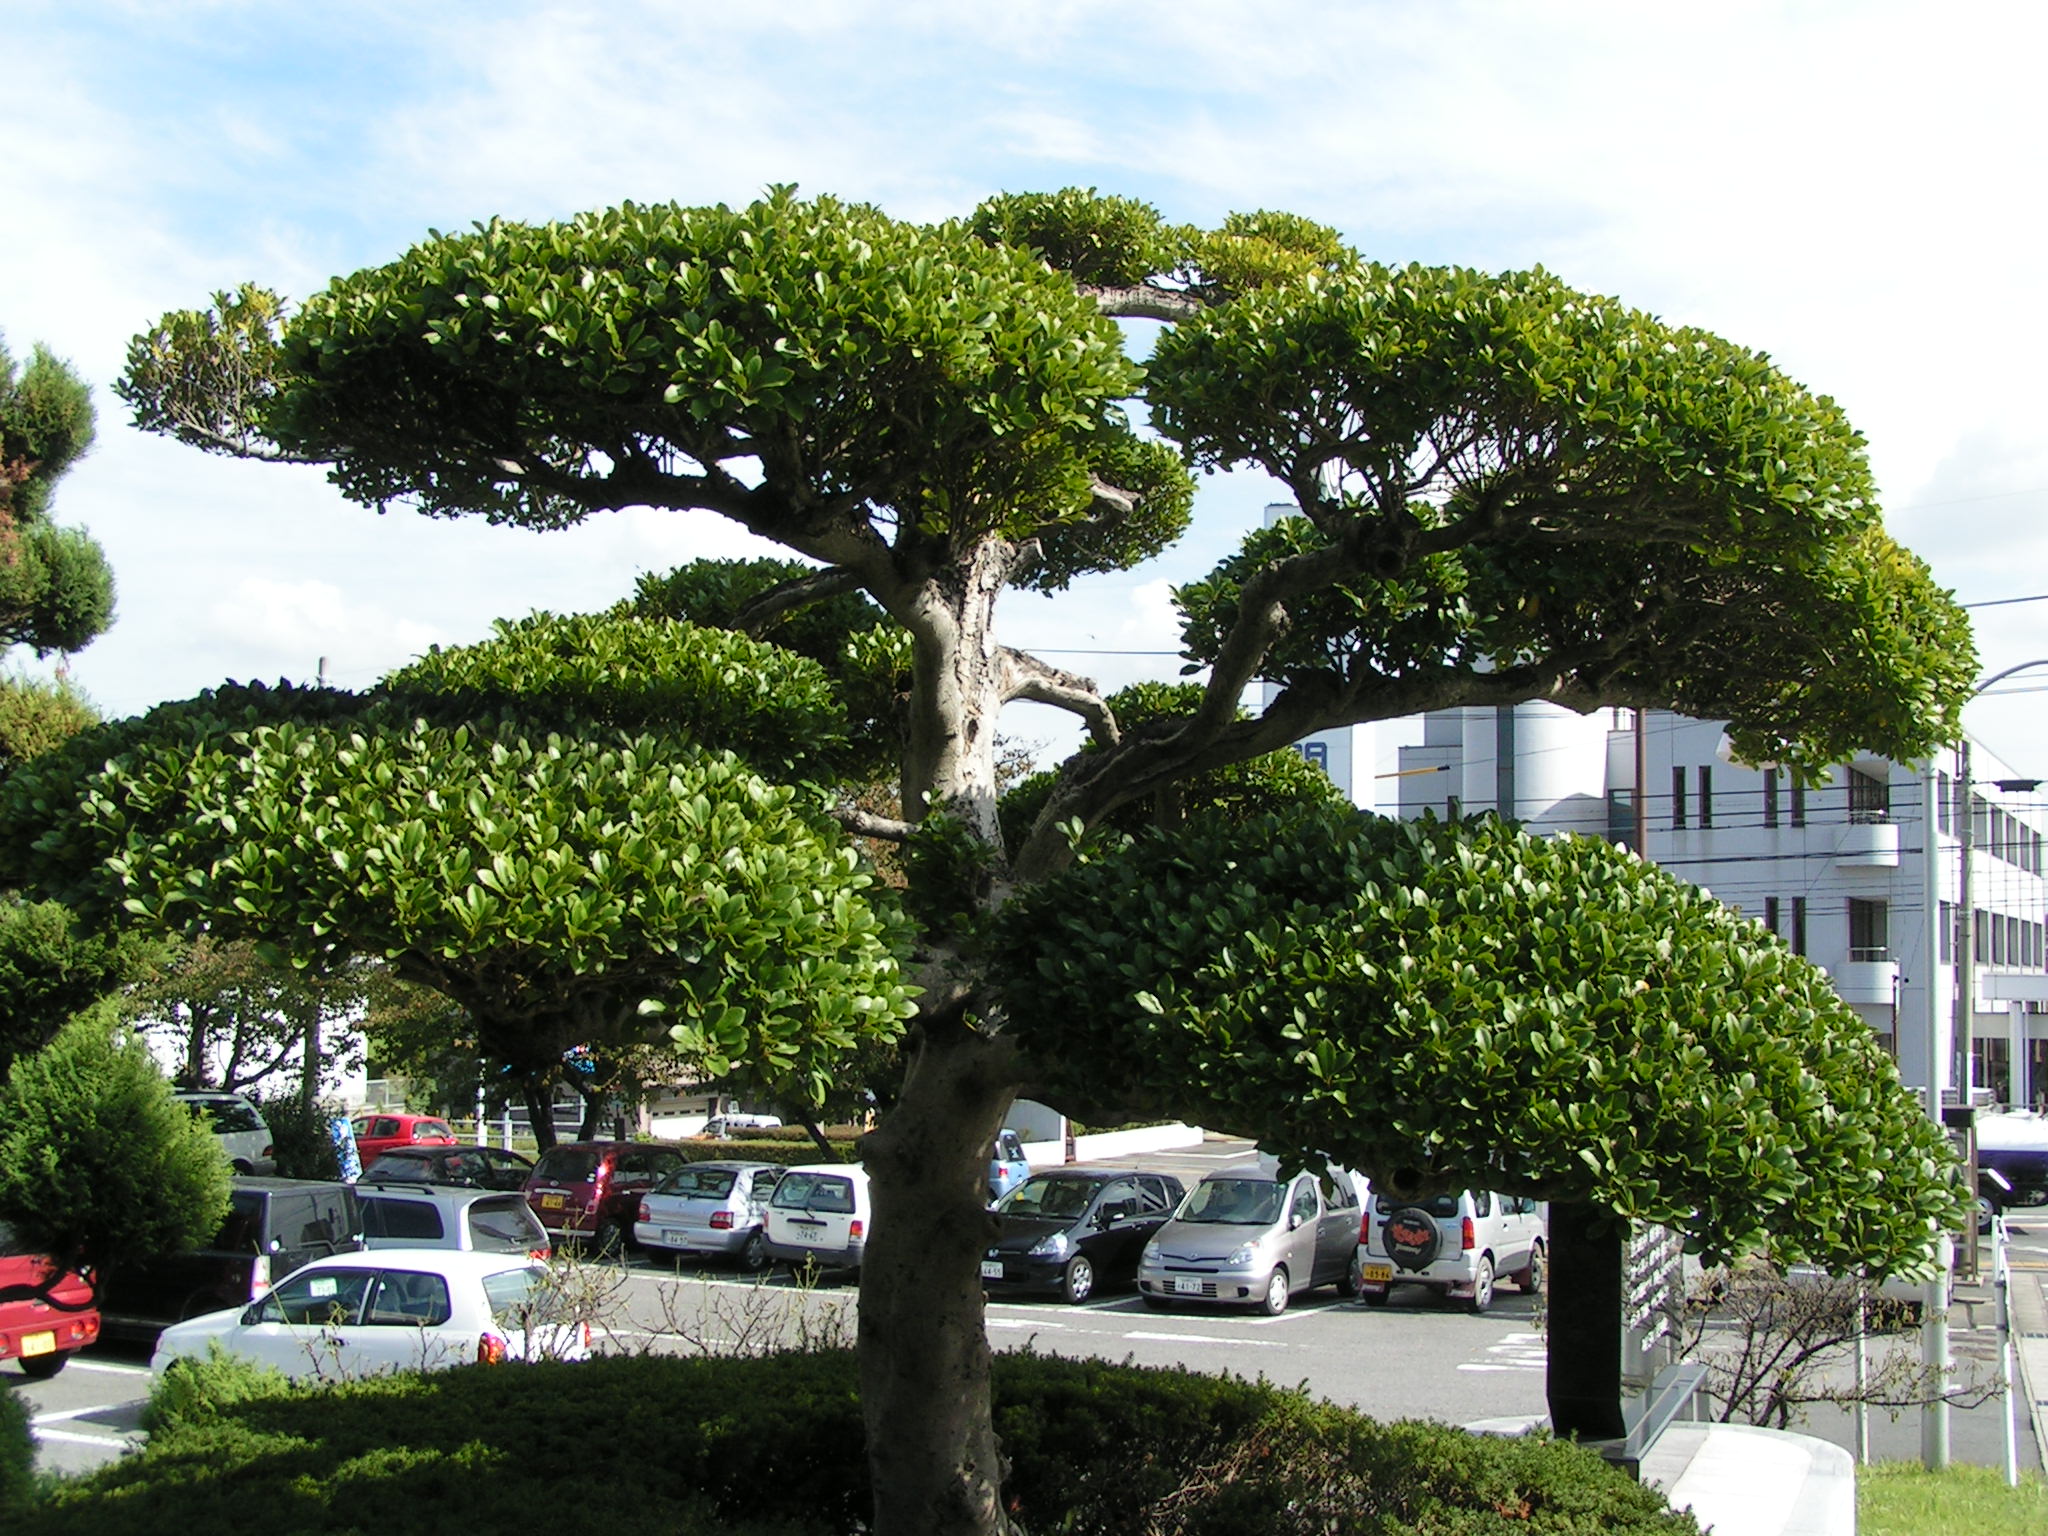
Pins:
x: 1862, y: 1371
x: 1934, y: 1355
x: 2001, y: 1271
x: 1642, y: 807
x: 1966, y: 931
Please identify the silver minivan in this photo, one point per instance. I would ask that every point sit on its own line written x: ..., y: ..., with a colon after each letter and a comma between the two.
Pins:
x: 1245, y: 1237
x: 238, y: 1126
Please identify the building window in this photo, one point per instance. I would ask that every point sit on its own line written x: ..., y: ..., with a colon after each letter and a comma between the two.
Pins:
x: 1798, y: 804
x: 1798, y: 925
x: 1771, y: 913
x: 1980, y: 938
x: 1870, y: 798
x: 1948, y: 933
x: 1770, y: 797
x: 1869, y: 938
x: 1678, y: 799
x: 1621, y: 817
x: 1945, y: 801
x: 1706, y: 795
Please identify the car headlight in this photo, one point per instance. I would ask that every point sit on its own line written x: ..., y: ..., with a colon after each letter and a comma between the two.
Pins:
x: 1151, y: 1253
x: 1053, y: 1247
x: 1242, y: 1258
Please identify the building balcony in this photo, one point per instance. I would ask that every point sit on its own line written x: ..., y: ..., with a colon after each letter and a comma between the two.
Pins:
x: 1867, y: 980
x: 1868, y: 845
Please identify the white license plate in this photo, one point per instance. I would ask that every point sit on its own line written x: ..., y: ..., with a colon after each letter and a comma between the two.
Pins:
x: 44, y: 1343
x: 672, y: 1238
x: 1187, y: 1287
x: 1377, y: 1274
x: 991, y: 1269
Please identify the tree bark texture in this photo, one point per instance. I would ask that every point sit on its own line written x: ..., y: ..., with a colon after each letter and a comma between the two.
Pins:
x: 1583, y: 1373
x: 924, y: 1355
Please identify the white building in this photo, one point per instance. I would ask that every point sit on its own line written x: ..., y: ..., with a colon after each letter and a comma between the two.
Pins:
x: 1842, y: 871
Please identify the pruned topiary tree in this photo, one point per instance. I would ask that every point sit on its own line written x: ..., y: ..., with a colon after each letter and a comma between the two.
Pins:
x: 1509, y: 490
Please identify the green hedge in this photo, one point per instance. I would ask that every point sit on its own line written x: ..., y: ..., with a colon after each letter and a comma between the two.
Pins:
x: 772, y: 1447
x: 759, y: 1149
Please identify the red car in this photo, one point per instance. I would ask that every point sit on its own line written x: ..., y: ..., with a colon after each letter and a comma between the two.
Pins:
x: 378, y: 1133
x: 588, y: 1192
x: 42, y: 1337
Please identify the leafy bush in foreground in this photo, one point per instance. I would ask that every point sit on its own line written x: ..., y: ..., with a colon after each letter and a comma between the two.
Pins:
x: 773, y: 1447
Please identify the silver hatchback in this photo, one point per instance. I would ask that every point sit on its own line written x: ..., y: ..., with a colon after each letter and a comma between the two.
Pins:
x: 710, y: 1208
x: 1245, y: 1237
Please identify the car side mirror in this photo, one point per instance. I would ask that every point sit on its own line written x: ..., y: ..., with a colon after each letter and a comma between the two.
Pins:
x: 1293, y: 1221
x: 253, y: 1313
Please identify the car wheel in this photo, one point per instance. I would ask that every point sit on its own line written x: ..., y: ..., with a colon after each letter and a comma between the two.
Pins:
x: 611, y: 1241
x: 242, y: 1166
x: 1351, y: 1281
x: 1157, y: 1303
x: 1274, y: 1302
x: 1078, y: 1283
x: 1530, y: 1281
x: 1482, y: 1286
x: 1375, y: 1298
x: 43, y: 1367
x: 755, y: 1254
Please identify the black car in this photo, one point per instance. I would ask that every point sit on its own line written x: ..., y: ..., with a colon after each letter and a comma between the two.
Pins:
x: 463, y: 1167
x: 273, y: 1227
x: 1073, y: 1230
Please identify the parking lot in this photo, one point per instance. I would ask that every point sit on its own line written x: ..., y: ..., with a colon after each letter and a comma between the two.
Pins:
x: 1415, y: 1358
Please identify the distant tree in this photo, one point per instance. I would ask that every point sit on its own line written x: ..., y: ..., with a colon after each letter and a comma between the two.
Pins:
x: 235, y: 1017
x: 56, y: 591
x: 99, y: 1164
x: 36, y: 714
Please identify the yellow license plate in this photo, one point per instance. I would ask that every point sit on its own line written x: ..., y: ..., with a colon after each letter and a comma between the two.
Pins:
x: 1378, y: 1274
x: 551, y: 1202
x: 39, y: 1343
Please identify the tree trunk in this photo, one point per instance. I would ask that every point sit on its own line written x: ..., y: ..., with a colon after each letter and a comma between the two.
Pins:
x: 540, y: 1110
x: 924, y: 1355
x: 1583, y: 1380
x: 309, y: 1073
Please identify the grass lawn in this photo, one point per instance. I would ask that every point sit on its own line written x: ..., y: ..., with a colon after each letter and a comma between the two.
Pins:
x: 1902, y: 1498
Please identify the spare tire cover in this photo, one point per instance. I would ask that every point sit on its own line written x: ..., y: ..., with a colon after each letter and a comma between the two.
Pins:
x: 1412, y: 1236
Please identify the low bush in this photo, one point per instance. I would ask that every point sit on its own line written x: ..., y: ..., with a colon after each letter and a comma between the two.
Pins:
x: 199, y: 1389
x: 303, y: 1138
x: 758, y: 1148
x: 17, y: 1454
x: 721, y: 1447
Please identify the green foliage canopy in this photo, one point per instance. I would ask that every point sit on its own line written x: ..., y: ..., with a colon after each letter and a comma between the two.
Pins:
x: 550, y: 884
x: 1440, y: 1004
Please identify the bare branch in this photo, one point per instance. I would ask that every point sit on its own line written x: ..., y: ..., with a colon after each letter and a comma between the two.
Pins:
x: 1032, y: 680
x: 863, y: 823
x: 1144, y: 302
x: 759, y: 612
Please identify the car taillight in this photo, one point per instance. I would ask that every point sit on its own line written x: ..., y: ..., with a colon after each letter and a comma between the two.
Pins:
x: 269, y: 1149
x: 722, y: 1220
x: 1467, y: 1238
x: 259, y: 1277
x: 854, y: 1228
x: 646, y: 1215
x: 543, y: 1253
x: 1364, y: 1227
x: 491, y: 1350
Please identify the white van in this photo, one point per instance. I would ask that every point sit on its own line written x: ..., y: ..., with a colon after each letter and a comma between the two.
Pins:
x: 820, y: 1213
x: 1456, y: 1244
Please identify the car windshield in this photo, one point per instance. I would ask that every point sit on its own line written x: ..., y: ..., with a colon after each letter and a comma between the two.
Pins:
x: 698, y: 1183
x: 1436, y: 1205
x: 418, y: 1169
x: 1045, y: 1196
x: 567, y: 1165
x: 228, y: 1115
x: 1235, y: 1202
x: 424, y: 1128
x: 520, y: 1298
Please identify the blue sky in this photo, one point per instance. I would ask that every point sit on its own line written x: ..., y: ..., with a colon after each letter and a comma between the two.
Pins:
x: 1851, y: 187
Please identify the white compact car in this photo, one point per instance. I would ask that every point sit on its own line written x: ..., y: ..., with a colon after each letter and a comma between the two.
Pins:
x: 819, y: 1214
x: 398, y: 1309
x: 1457, y: 1244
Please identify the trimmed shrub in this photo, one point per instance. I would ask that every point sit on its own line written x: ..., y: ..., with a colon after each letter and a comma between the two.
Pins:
x: 304, y: 1142
x: 198, y: 1390
x: 17, y: 1454
x: 720, y: 1447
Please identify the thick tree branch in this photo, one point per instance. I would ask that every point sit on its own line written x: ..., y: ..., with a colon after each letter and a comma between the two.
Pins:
x: 759, y: 612
x: 1145, y: 301
x: 1030, y: 679
x: 863, y: 823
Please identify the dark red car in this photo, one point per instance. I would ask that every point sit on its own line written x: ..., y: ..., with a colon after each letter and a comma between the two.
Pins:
x: 588, y: 1192
x: 377, y: 1133
x: 42, y: 1337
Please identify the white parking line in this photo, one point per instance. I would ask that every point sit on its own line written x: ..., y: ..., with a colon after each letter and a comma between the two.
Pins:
x: 48, y: 1436
x: 1206, y: 1338
x: 1023, y: 1322
x: 76, y: 1413
x: 108, y: 1370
